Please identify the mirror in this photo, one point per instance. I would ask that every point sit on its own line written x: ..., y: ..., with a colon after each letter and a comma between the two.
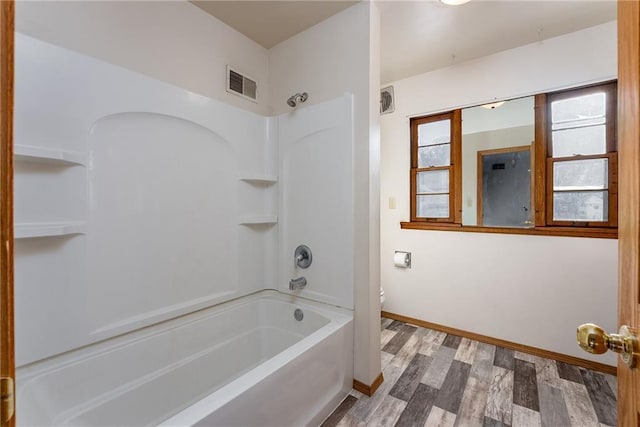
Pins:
x: 497, y: 164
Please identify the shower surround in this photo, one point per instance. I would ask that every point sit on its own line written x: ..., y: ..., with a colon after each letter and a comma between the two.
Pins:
x: 138, y: 203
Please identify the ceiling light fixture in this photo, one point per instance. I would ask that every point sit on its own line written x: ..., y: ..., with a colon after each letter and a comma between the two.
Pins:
x: 455, y: 2
x: 493, y: 105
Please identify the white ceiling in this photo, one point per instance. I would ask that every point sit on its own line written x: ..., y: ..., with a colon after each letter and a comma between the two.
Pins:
x: 422, y: 35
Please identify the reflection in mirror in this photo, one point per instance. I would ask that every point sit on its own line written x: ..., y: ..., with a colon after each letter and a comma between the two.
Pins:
x: 497, y: 153
x: 504, y: 187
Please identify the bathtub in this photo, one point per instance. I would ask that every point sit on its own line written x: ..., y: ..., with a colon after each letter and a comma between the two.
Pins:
x: 247, y: 362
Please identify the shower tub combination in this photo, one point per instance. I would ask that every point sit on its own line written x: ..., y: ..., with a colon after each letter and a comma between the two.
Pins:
x: 135, y: 303
x: 247, y: 362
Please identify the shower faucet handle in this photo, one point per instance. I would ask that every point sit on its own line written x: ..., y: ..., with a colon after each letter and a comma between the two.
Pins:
x: 302, y: 256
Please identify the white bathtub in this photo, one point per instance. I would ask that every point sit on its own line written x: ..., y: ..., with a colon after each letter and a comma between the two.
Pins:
x: 243, y: 363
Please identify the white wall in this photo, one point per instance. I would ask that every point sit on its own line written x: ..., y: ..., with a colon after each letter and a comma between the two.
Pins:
x: 173, y: 41
x: 338, y: 55
x: 532, y: 290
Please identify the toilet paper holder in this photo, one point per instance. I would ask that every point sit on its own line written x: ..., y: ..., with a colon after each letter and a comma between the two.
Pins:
x: 402, y: 259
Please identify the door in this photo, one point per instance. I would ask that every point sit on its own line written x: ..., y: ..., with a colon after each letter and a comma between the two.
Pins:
x: 7, y: 366
x: 629, y: 201
x: 592, y: 338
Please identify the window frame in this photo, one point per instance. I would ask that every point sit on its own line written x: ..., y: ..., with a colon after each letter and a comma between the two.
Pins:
x: 455, y: 175
x: 611, y: 154
x: 542, y: 173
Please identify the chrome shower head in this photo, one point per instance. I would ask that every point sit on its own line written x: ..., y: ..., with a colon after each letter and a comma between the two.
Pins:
x: 293, y: 100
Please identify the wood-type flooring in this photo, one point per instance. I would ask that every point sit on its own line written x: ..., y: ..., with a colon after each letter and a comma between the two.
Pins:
x: 435, y: 379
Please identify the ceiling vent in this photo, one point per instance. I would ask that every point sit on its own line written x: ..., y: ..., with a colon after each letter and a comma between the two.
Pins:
x: 387, y: 101
x: 241, y: 85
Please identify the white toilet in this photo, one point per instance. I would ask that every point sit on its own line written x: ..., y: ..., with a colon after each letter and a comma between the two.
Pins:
x: 381, y: 297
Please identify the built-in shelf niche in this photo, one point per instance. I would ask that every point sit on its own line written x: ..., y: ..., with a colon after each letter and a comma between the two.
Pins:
x: 28, y: 153
x: 261, y: 187
x: 258, y: 220
x: 48, y: 229
x: 260, y: 179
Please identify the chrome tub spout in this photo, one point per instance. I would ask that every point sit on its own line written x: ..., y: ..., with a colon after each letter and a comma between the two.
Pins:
x: 297, y: 284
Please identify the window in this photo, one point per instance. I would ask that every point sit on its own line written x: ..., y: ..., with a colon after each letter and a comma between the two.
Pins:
x: 582, y: 158
x: 433, y: 151
x: 572, y: 173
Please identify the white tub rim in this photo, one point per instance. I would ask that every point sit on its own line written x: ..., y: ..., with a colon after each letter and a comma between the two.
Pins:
x: 337, y: 318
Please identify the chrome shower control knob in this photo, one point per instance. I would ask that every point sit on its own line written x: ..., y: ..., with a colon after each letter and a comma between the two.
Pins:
x: 302, y: 256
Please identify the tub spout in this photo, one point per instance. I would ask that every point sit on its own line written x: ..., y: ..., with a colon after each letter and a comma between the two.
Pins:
x: 296, y: 284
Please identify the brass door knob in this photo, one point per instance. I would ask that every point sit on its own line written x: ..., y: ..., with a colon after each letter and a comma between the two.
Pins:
x: 593, y: 339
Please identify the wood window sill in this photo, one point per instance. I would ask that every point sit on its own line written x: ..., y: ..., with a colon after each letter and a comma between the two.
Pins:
x: 601, y: 233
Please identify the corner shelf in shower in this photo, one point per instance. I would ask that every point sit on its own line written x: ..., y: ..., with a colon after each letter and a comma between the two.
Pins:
x: 260, y: 179
x: 258, y: 220
x: 48, y: 229
x: 28, y: 153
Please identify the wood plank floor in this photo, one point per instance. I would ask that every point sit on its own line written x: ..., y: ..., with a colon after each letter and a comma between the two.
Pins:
x: 435, y: 379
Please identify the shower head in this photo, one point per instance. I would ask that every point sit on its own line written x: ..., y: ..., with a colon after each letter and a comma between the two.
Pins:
x: 298, y: 97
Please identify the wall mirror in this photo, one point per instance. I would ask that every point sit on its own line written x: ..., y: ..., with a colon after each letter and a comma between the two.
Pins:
x: 497, y: 164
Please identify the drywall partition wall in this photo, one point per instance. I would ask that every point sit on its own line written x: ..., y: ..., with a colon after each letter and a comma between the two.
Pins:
x: 136, y: 201
x: 341, y: 55
x: 316, y: 199
x: 173, y: 41
x: 532, y: 290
